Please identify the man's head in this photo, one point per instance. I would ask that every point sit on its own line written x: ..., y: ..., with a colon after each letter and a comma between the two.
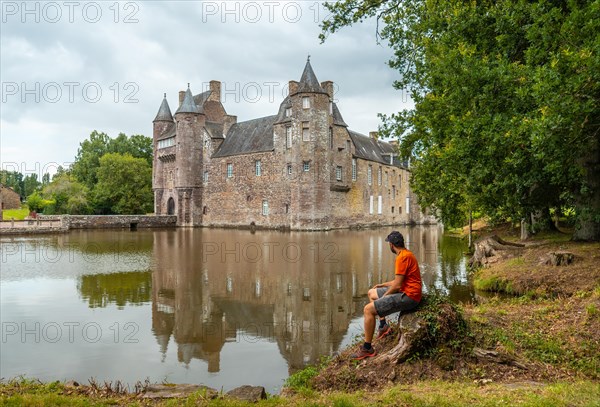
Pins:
x: 396, y: 239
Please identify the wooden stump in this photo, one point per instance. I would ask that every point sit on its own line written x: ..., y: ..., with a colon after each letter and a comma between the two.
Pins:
x: 560, y: 258
x: 491, y: 248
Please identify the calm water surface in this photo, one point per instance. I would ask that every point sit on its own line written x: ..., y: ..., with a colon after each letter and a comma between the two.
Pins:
x: 219, y: 307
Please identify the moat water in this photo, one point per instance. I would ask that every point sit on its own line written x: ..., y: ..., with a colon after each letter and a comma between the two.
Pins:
x: 222, y: 308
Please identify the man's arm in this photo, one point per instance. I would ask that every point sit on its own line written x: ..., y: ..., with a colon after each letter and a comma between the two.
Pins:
x: 395, y: 285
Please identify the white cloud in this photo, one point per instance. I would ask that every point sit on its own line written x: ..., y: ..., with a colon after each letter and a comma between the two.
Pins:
x: 171, y: 44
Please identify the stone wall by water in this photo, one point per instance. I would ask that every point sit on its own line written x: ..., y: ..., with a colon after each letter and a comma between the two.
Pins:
x: 117, y: 221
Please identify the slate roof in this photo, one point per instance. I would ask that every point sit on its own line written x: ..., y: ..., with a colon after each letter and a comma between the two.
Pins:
x: 200, y: 98
x: 164, y: 112
x: 308, y: 81
x: 188, y: 105
x: 169, y: 131
x: 337, y: 117
x: 215, y: 130
x: 252, y: 136
x: 371, y: 149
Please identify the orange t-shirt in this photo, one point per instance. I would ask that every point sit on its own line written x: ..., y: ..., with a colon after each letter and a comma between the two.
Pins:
x: 406, y: 265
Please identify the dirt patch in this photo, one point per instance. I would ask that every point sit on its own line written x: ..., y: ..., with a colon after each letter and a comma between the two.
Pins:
x: 524, y: 274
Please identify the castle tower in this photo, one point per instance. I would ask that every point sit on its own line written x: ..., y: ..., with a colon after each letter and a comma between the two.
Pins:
x: 189, y: 127
x: 163, y: 130
x: 310, y: 152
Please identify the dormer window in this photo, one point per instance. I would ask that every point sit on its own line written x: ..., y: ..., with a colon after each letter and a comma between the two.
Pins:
x: 168, y: 142
x: 305, y: 102
x: 288, y: 112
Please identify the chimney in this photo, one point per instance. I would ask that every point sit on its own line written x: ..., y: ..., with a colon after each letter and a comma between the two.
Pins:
x: 215, y: 91
x: 181, y: 96
x: 292, y: 88
x: 328, y: 87
x: 374, y: 135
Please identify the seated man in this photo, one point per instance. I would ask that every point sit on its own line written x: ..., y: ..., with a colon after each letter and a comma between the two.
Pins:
x: 401, y: 294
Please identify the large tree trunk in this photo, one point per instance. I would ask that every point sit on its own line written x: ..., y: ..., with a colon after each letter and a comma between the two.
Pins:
x: 588, y: 206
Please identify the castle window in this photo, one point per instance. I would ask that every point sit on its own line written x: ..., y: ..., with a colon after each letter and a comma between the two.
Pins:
x: 349, y: 146
x: 305, y: 102
x: 265, y: 208
x: 371, y: 204
x: 330, y: 107
x: 392, y: 209
x: 354, y: 169
x: 168, y: 142
x: 288, y: 137
x: 399, y: 179
x: 205, y: 176
x: 258, y: 168
x: 369, y: 174
x: 338, y: 173
x: 305, y: 131
x: 393, y: 191
x: 306, y: 166
x: 379, y: 204
x: 379, y: 176
x: 331, y: 137
x: 399, y: 210
x: 288, y: 112
x: 289, y: 169
x: 287, y: 208
x: 229, y: 170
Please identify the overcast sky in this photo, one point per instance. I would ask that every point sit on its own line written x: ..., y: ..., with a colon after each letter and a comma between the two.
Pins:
x: 68, y: 68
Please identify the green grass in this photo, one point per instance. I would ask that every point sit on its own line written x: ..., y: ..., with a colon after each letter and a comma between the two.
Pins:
x: 18, y: 214
x: 493, y: 284
x: 422, y: 394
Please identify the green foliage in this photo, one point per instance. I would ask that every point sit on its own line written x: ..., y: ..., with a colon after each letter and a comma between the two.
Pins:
x: 36, y: 202
x: 68, y: 196
x: 87, y: 161
x: 445, y: 323
x: 302, y: 378
x: 124, y: 185
x: 506, y: 110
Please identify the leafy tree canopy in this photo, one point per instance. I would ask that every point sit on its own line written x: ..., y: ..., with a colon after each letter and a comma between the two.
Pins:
x: 87, y: 161
x: 506, y: 119
x: 124, y: 185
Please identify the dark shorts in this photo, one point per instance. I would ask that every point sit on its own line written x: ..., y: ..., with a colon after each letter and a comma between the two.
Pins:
x: 388, y: 304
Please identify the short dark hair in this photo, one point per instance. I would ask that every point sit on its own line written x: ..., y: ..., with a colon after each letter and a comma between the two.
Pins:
x: 395, y: 238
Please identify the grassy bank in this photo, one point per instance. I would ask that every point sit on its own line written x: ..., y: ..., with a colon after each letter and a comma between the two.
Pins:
x: 424, y: 393
x: 16, y: 214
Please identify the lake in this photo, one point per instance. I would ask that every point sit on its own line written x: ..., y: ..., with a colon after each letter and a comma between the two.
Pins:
x: 218, y: 307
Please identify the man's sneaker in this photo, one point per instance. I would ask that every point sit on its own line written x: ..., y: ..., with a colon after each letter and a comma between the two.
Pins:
x: 364, y: 353
x: 384, y: 331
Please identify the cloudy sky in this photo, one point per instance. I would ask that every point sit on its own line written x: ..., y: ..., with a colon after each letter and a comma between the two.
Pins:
x: 68, y: 68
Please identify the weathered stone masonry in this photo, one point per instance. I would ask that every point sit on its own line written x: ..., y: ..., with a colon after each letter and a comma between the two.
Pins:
x: 301, y: 168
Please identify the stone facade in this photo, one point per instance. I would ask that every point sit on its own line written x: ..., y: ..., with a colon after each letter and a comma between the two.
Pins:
x: 300, y: 169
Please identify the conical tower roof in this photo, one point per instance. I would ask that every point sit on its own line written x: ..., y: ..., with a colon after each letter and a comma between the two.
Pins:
x: 188, y: 105
x: 164, y: 112
x: 309, y: 81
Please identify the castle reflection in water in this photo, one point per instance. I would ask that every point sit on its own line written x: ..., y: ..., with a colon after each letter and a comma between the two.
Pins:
x: 300, y: 290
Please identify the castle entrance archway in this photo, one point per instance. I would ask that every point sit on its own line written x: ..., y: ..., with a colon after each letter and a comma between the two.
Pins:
x: 171, y: 206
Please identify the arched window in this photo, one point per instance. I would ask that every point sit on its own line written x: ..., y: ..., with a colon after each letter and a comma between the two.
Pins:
x: 171, y: 206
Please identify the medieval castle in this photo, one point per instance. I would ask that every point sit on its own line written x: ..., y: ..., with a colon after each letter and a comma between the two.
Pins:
x: 300, y: 169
